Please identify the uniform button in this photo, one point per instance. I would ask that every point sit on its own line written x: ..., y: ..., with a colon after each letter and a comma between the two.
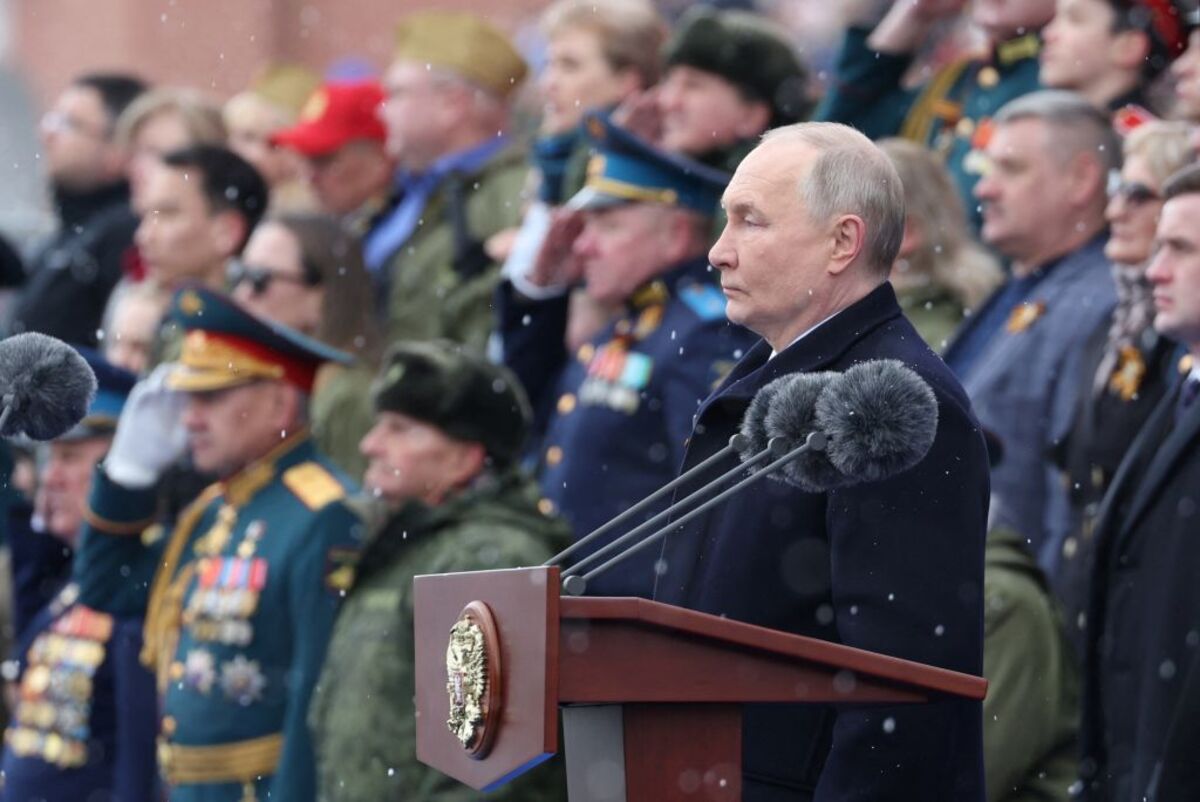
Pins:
x: 586, y: 352
x: 168, y: 726
x: 1070, y: 548
x: 965, y: 127
x: 554, y: 455
x: 566, y: 404
x: 546, y: 507
x: 176, y: 671
x: 989, y: 77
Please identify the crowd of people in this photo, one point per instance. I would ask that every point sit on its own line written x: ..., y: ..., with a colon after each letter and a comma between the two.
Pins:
x: 349, y: 331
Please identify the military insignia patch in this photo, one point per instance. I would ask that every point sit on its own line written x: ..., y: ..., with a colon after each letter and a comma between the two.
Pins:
x: 1024, y: 316
x: 190, y: 303
x: 339, y: 569
x: 242, y: 681
x: 705, y: 300
x: 313, y: 485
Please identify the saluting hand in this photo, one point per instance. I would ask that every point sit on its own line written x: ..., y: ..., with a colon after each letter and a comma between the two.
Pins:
x: 150, y: 434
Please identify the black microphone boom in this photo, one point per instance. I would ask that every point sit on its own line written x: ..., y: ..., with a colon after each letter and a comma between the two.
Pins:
x: 46, y: 387
x: 749, y: 441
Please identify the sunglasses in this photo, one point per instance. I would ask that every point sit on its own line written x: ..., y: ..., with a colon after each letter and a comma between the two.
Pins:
x: 260, y: 278
x: 1135, y: 193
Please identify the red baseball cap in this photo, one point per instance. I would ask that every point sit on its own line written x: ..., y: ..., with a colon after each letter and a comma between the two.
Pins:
x: 335, y: 114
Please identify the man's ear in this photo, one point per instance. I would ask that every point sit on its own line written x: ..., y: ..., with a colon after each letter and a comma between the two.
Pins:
x: 848, y: 237
x: 229, y: 230
x: 468, y: 463
x: 1088, y: 177
x: 1129, y: 49
x: 757, y: 118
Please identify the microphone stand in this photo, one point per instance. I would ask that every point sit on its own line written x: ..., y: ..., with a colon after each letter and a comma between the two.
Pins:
x: 775, y: 447
x: 575, y: 584
x: 736, y: 443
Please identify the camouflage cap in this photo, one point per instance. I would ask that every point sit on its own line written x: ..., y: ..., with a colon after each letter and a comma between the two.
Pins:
x: 285, y: 85
x: 464, y: 44
x: 464, y: 395
x: 747, y: 50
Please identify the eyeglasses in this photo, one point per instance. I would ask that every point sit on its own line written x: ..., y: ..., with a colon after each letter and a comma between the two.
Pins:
x: 59, y: 123
x: 260, y: 278
x: 1135, y: 193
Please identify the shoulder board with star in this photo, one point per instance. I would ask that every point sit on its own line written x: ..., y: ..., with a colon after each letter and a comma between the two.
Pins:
x: 705, y: 300
x: 313, y: 484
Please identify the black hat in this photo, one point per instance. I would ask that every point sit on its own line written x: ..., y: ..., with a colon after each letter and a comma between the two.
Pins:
x: 747, y: 50
x: 464, y: 395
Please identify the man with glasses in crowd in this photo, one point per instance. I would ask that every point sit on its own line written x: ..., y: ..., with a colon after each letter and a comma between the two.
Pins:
x: 71, y: 275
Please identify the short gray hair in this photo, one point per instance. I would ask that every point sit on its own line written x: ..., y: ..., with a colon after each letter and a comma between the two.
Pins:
x: 1079, y: 127
x: 851, y: 175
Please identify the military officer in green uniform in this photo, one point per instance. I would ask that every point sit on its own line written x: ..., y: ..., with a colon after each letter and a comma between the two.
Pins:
x: 446, y: 496
x: 241, y: 589
x: 459, y: 176
x: 951, y: 111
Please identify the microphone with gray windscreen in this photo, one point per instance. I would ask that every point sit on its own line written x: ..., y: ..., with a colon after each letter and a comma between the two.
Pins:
x: 46, y: 386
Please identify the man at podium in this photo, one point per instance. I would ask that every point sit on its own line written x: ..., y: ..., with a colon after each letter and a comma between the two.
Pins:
x: 891, y: 565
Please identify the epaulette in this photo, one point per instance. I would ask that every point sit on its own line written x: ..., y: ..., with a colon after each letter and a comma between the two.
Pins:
x: 705, y: 300
x: 313, y: 484
x: 934, y: 101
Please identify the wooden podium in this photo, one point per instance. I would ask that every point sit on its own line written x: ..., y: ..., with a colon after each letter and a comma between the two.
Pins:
x: 651, y: 694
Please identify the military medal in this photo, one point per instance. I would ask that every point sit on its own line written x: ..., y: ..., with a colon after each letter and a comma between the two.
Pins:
x: 1024, y: 315
x: 1127, y: 377
x: 199, y: 671
x: 242, y: 680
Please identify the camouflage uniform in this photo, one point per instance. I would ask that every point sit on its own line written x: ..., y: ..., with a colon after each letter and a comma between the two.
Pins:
x: 362, y: 715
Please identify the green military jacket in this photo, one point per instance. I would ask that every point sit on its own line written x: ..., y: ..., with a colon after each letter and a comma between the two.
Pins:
x: 934, y: 312
x: 342, y: 412
x: 362, y: 715
x: 1031, y: 713
x: 240, y: 594
x: 440, y: 281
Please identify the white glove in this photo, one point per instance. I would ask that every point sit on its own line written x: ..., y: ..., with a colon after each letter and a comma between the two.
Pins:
x: 150, y: 434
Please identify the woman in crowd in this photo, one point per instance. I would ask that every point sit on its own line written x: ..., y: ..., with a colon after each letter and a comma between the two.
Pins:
x: 1129, y: 366
x: 942, y: 272
x: 306, y: 271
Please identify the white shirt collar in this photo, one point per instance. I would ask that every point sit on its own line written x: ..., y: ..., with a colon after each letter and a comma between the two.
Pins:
x: 805, y: 334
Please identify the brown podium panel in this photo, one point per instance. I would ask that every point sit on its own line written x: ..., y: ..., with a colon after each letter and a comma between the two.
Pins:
x: 615, y: 650
x: 524, y: 605
x: 652, y: 694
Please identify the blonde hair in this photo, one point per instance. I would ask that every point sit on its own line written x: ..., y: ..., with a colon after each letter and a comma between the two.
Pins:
x: 948, y: 255
x: 200, y: 115
x: 631, y: 32
x: 1163, y: 145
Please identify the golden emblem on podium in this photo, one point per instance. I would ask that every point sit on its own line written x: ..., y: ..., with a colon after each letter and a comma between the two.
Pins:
x: 473, y: 679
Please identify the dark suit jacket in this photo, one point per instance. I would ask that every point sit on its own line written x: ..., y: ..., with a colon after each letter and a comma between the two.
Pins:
x: 893, y: 566
x: 1144, y: 616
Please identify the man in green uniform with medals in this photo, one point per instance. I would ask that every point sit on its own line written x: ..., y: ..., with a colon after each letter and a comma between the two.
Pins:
x: 241, y: 589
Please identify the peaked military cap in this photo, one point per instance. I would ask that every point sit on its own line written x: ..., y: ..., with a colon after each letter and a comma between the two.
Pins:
x: 112, y: 388
x: 464, y: 395
x: 748, y: 50
x: 627, y: 169
x: 464, y: 44
x: 226, y: 346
